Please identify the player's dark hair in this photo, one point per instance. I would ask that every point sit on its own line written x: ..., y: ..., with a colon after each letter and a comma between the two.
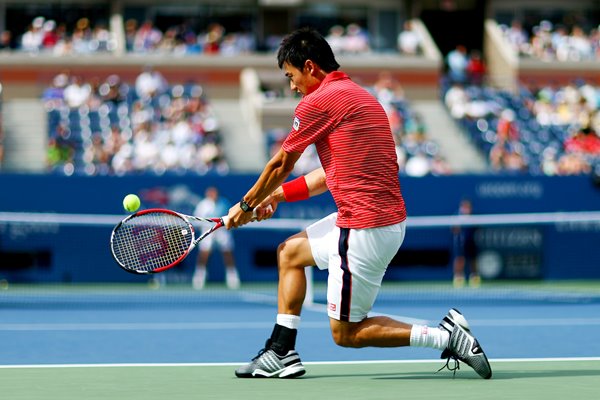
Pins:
x: 306, y: 44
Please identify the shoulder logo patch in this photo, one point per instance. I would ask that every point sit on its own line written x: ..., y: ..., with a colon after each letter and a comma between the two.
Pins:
x: 296, y: 124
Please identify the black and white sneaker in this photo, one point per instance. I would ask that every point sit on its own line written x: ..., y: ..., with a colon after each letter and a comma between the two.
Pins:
x: 463, y: 346
x: 268, y: 364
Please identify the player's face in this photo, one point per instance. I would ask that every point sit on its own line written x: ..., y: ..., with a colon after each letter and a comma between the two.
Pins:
x: 303, y: 82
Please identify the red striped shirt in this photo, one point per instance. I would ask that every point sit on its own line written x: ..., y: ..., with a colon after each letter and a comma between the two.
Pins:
x: 356, y: 148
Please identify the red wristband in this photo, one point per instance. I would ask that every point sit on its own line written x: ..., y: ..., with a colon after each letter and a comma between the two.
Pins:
x: 295, y: 190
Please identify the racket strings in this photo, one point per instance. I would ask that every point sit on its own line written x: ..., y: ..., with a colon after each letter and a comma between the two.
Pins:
x: 152, y: 241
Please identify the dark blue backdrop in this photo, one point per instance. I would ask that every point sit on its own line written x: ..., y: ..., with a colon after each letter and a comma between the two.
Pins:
x: 74, y: 253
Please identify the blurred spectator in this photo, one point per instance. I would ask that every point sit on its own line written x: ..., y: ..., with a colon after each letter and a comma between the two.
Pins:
x: 53, y: 96
x: 573, y: 164
x: 131, y: 26
x: 50, y: 36
x: 96, y: 156
x: 6, y: 41
x: 457, y: 61
x: 409, y: 41
x: 440, y: 166
x: 61, y: 150
x: 336, y: 39
x: 506, y: 128
x: 146, y: 38
x: 81, y: 37
x: 102, y: 38
x: 475, y: 68
x: 418, y: 165
x: 356, y: 40
x: 213, y: 38
x: 507, y: 155
x: 150, y: 83
x: 77, y: 92
x: 113, y: 90
x: 386, y: 89
x: 456, y: 100
x: 213, y: 205
x: 31, y: 41
x: 585, y: 140
x: 517, y: 37
x: 464, y: 250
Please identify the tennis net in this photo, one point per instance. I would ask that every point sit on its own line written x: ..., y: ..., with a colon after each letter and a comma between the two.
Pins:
x: 64, y: 260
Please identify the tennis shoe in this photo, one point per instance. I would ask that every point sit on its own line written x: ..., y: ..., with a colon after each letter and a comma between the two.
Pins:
x: 462, y: 345
x: 199, y: 279
x: 232, y: 279
x: 269, y: 364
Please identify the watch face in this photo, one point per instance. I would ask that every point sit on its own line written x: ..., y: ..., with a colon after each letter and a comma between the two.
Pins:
x: 244, y: 206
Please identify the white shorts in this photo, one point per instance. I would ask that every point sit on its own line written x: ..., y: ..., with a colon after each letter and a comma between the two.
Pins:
x: 357, y: 260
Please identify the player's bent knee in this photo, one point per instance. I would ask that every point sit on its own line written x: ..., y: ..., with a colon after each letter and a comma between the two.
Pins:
x: 344, y: 340
x: 294, y: 253
x: 344, y: 335
x: 285, y: 255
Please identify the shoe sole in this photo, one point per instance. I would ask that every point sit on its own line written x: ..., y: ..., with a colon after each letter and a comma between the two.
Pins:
x: 292, y: 371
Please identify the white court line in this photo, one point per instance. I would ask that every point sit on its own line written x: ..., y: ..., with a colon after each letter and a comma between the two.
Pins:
x: 229, y: 364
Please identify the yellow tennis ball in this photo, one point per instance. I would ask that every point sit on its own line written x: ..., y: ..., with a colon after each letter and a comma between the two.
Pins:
x: 131, y: 203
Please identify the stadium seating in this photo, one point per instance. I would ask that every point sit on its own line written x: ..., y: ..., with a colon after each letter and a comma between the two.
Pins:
x: 503, y: 125
x: 125, y: 136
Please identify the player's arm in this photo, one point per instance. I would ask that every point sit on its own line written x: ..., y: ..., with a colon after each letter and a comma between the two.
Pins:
x: 279, y: 167
x: 301, y: 188
x: 309, y: 185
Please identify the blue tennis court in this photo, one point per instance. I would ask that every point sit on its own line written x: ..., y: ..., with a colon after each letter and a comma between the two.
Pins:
x: 132, y: 324
x: 135, y: 342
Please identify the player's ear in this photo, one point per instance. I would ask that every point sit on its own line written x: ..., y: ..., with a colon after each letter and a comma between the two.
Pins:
x: 310, y: 66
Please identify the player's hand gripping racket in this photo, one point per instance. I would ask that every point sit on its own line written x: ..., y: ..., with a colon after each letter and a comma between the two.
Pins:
x: 156, y: 239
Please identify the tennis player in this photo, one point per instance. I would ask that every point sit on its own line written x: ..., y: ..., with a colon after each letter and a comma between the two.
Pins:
x: 359, y: 168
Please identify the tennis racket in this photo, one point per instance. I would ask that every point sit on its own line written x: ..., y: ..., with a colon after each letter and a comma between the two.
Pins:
x: 157, y: 239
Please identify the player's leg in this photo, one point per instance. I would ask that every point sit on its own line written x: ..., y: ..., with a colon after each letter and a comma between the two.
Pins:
x: 458, y: 267
x: 279, y: 358
x: 471, y: 260
x: 355, y: 275
x: 357, y: 264
x: 293, y: 256
x: 225, y: 242
x: 200, y: 273
x: 232, y: 277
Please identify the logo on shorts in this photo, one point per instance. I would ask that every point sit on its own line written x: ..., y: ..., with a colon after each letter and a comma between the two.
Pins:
x: 296, y: 124
x: 331, y: 306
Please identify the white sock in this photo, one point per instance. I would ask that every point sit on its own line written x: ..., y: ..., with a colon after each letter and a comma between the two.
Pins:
x: 425, y: 336
x: 288, y: 320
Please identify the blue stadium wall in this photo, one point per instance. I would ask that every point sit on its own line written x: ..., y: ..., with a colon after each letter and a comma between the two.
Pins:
x: 59, y: 253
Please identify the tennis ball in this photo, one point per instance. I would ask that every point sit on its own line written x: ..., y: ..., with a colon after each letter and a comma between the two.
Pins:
x: 131, y: 203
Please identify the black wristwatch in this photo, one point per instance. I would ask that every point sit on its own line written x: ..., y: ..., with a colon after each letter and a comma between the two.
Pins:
x: 245, y: 206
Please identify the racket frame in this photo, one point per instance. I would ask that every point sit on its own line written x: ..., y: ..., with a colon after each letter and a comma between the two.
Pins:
x: 218, y: 223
